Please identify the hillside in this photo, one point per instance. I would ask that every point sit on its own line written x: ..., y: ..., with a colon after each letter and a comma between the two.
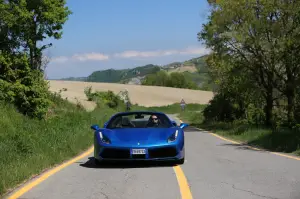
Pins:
x: 189, y: 68
x: 124, y: 75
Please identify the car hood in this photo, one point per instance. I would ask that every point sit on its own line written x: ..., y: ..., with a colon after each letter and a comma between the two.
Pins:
x: 139, y: 135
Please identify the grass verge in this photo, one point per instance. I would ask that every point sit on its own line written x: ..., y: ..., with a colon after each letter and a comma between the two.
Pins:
x: 29, y: 146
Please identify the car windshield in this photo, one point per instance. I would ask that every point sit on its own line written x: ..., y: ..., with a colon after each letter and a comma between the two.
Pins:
x: 139, y: 120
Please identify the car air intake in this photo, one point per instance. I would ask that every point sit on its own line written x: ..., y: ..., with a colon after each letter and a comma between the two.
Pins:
x: 115, y: 153
x: 163, y: 152
x: 139, y: 156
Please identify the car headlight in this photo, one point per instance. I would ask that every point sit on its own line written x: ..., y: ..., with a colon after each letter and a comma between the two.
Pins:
x: 173, y: 137
x: 103, y: 138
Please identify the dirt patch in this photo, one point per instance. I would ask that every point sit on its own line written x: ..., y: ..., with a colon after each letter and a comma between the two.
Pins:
x: 142, y: 95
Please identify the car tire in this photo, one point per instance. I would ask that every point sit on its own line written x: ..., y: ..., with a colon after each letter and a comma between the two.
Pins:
x: 97, y: 162
x: 181, y: 161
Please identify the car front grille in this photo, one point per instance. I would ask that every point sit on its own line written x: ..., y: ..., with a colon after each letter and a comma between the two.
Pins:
x: 115, y: 153
x: 139, y: 156
x: 163, y: 152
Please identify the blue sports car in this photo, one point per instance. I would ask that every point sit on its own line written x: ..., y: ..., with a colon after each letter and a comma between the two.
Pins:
x: 139, y: 135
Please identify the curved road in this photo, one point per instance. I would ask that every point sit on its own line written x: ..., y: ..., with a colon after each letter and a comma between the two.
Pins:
x: 214, y: 169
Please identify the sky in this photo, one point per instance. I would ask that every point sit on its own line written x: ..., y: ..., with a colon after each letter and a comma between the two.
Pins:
x: 122, y: 34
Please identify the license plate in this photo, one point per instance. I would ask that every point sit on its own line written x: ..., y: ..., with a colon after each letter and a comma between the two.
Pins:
x: 138, y: 151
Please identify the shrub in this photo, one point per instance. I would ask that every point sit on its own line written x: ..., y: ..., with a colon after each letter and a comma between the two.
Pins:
x: 220, y: 108
x: 89, y: 94
x: 24, y: 87
x: 104, y: 98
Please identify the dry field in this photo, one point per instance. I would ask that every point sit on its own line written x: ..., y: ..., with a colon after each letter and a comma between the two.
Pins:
x: 142, y: 95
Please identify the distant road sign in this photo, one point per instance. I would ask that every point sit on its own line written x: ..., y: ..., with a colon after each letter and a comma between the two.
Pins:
x: 182, y: 102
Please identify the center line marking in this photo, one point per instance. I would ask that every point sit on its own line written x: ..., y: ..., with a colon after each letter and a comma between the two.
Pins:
x: 183, y: 184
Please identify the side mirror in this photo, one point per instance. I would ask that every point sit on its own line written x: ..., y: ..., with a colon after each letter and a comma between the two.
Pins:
x: 95, y: 127
x: 183, y: 125
x: 174, y: 123
x: 105, y: 124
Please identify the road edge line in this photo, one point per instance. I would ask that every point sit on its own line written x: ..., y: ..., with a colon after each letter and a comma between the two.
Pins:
x: 47, y: 174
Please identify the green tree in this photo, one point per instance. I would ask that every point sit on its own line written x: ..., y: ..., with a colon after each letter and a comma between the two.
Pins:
x: 24, y: 24
x: 33, y: 21
x: 255, y: 35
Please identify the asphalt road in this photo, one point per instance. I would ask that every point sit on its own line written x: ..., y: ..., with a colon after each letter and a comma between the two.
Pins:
x: 214, y: 168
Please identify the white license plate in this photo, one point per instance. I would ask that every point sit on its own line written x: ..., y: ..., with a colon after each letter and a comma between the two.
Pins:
x: 138, y: 151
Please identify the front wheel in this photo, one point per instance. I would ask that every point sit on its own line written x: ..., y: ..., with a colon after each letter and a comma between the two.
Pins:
x: 97, y: 162
x: 181, y: 161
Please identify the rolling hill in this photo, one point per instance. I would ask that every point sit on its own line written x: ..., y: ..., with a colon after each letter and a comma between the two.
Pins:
x: 122, y: 76
x: 194, y: 69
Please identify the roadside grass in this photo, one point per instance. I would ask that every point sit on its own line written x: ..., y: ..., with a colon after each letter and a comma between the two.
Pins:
x: 29, y: 146
x: 281, y: 140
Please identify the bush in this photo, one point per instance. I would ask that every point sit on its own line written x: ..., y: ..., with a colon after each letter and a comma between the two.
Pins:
x: 23, y: 87
x: 89, y: 94
x: 104, y: 98
x: 220, y: 108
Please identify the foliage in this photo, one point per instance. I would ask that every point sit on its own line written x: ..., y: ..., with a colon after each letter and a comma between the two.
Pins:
x: 30, y: 22
x: 104, y: 98
x: 23, y: 25
x: 23, y: 87
x: 254, y: 59
x: 88, y: 93
x: 175, y: 79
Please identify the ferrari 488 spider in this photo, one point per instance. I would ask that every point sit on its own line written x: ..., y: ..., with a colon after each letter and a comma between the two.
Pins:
x: 139, y: 135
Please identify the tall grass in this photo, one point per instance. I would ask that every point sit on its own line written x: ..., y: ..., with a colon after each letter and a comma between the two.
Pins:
x: 29, y: 146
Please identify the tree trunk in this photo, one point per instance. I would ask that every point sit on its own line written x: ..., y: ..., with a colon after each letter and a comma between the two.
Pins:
x: 290, y: 94
x: 269, y: 108
x: 31, y: 57
x: 291, y: 105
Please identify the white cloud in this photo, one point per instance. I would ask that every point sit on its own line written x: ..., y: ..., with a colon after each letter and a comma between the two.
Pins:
x: 197, y: 51
x: 61, y: 59
x: 159, y: 53
x: 90, y: 57
x: 81, y: 57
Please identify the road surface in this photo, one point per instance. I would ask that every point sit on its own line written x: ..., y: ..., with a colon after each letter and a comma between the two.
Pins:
x: 214, y: 169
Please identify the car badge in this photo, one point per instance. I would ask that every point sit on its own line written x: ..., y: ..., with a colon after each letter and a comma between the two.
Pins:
x: 138, y: 143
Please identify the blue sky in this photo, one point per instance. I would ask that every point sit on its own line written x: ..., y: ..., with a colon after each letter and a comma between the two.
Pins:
x: 124, y: 34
